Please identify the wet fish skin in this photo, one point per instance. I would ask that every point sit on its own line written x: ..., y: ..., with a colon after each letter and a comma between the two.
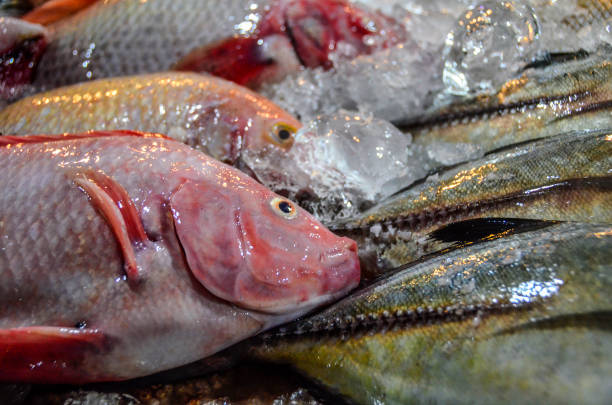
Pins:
x: 117, y: 38
x: 214, y: 259
x: 512, y: 320
x: 563, y: 178
x: 208, y: 113
x: 543, y: 102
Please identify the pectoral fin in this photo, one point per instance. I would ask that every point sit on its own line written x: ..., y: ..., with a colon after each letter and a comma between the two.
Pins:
x: 116, y: 206
x: 55, y: 10
x: 48, y: 354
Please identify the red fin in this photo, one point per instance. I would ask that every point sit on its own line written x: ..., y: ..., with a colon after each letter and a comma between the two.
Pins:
x: 48, y: 354
x: 13, y: 140
x: 236, y: 59
x: 116, y: 206
x: 55, y: 10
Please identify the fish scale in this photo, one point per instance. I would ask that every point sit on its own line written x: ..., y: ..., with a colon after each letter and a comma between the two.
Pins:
x: 565, y: 177
x: 122, y: 37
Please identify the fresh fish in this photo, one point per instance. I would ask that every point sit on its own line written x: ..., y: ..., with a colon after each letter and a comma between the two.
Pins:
x: 248, y: 42
x: 566, y: 178
x: 522, y: 319
x: 123, y: 254
x: 562, y: 97
x: 205, y: 112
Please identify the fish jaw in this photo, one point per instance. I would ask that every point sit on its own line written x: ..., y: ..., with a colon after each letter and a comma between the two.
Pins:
x: 22, y: 44
x: 292, y: 35
x: 271, y: 262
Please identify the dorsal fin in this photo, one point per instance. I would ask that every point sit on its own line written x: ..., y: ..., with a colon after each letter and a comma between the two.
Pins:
x: 14, y: 140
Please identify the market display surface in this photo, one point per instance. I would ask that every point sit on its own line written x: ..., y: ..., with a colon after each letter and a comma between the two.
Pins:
x: 305, y: 201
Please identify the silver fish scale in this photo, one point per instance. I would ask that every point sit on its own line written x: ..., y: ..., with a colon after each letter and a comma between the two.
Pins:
x: 116, y: 38
x: 60, y: 263
x: 31, y: 242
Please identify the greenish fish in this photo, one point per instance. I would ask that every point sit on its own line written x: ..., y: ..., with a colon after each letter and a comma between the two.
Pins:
x: 563, y: 178
x: 545, y: 101
x: 521, y: 319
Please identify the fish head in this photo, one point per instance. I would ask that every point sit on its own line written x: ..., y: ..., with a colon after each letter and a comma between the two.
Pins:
x: 294, y: 34
x: 317, y: 27
x: 258, y: 250
x: 269, y: 126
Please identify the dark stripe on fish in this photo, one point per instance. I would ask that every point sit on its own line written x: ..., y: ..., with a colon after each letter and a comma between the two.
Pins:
x: 553, y: 58
x: 481, y: 114
x: 380, y: 322
x: 418, y: 220
x: 597, y: 320
x: 480, y: 229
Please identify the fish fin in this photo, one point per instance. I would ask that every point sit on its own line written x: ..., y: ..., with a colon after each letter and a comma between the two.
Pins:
x: 235, y: 59
x: 47, y: 354
x: 55, y: 10
x: 474, y: 230
x: 13, y: 140
x: 116, y: 206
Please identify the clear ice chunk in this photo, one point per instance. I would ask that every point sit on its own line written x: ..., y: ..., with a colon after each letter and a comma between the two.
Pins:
x: 340, y: 164
x: 490, y: 41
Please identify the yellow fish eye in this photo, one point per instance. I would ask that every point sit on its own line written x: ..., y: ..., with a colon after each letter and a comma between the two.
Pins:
x: 282, y: 134
x: 284, y: 207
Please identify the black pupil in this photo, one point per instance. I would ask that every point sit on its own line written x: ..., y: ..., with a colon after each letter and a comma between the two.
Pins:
x: 284, y: 134
x: 285, y: 207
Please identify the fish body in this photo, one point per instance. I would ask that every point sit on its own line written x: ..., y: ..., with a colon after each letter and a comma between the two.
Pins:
x: 524, y: 318
x: 125, y: 254
x: 247, y: 42
x: 563, y: 178
x: 205, y: 112
x: 545, y: 101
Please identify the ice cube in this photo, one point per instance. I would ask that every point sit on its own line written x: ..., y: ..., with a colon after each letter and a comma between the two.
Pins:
x: 342, y: 162
x: 490, y: 41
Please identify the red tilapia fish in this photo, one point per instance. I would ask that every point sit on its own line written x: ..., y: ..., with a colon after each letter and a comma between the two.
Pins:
x: 123, y: 254
x: 249, y: 42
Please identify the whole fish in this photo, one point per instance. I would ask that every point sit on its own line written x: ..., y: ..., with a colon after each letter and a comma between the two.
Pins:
x: 522, y: 319
x: 123, y: 254
x: 545, y: 101
x: 213, y: 115
x: 249, y: 42
x: 566, y: 178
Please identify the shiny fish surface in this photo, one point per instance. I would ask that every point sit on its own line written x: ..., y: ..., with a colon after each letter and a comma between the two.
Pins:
x: 249, y: 42
x: 205, y: 112
x: 562, y: 97
x: 523, y: 319
x: 564, y: 178
x: 123, y: 254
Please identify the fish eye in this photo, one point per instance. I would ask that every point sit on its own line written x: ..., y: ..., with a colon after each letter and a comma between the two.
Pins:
x: 284, y: 207
x: 283, y: 134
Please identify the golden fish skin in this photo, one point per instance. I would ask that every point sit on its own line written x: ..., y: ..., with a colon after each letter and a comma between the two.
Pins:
x: 522, y: 319
x: 543, y: 102
x: 562, y: 178
x: 210, y: 114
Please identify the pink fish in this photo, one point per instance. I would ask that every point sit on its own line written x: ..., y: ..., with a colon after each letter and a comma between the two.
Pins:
x: 249, y: 42
x: 123, y: 254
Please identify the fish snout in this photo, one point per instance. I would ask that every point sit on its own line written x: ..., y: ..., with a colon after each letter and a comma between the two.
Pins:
x: 341, y: 266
